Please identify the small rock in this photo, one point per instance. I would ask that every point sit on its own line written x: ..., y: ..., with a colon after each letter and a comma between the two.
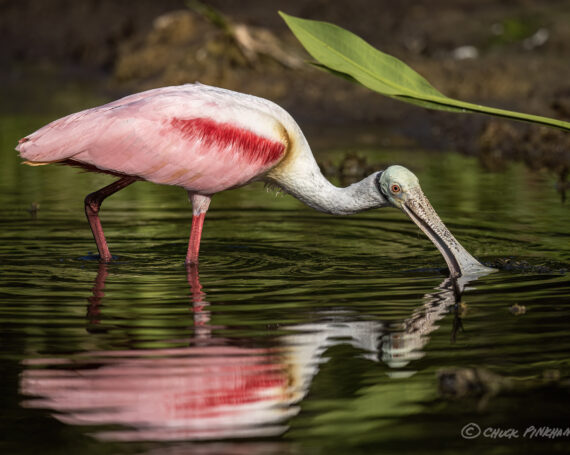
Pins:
x: 517, y: 309
x: 537, y: 39
x: 465, y: 53
x: 463, y: 382
x: 551, y: 375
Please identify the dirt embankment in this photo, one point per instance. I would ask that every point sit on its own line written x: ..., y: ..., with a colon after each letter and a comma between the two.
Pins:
x: 507, y: 54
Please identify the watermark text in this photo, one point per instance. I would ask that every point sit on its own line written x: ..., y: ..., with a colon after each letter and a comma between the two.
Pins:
x: 473, y: 431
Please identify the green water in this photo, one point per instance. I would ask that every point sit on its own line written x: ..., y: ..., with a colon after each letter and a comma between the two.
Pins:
x: 301, y: 333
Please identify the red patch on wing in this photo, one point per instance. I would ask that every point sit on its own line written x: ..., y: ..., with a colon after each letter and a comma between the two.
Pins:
x: 250, y: 146
x: 236, y: 385
x: 24, y: 139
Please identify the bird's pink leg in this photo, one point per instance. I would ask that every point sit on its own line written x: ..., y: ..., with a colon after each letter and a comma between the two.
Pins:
x: 200, y: 206
x: 93, y: 203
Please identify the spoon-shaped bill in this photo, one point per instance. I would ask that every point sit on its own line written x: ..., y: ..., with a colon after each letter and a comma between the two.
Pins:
x: 458, y: 259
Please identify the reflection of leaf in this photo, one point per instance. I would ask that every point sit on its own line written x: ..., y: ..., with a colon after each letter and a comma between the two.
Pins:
x: 341, y: 51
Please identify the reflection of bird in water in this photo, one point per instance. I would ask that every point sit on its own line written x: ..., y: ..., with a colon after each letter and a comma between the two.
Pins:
x: 213, y: 388
x: 207, y: 140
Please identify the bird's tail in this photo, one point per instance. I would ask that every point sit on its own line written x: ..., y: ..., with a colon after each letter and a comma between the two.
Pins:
x: 56, y: 141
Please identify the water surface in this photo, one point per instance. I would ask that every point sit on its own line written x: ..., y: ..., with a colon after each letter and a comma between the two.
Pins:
x: 300, y: 333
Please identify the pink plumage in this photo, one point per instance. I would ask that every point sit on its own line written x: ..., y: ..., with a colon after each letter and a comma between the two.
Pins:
x: 167, y: 136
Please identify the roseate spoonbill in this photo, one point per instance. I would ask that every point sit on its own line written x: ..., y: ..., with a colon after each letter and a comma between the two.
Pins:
x: 207, y: 139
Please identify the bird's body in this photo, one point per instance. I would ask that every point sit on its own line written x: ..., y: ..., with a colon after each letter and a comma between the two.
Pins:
x: 194, y: 136
x: 202, y: 138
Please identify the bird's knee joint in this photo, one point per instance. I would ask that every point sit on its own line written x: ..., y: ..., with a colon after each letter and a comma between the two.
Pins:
x: 92, y: 203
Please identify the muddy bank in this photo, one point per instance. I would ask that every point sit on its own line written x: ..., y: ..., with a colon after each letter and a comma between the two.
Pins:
x: 512, y: 55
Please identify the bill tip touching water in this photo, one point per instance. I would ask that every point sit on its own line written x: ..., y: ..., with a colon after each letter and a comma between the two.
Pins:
x: 206, y: 140
x: 402, y: 189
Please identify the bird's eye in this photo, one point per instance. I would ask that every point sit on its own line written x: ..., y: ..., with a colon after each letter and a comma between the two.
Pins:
x: 395, y: 188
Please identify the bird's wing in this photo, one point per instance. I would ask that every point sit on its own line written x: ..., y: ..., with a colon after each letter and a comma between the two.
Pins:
x: 201, y: 139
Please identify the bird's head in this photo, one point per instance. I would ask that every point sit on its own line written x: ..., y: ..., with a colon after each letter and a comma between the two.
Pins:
x: 401, y: 188
x: 397, y: 184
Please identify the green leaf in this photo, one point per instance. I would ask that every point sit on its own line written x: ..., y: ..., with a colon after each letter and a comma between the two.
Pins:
x: 344, y: 53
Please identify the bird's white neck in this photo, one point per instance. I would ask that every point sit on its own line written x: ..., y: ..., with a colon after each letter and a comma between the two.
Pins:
x: 308, y: 184
x: 322, y: 195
